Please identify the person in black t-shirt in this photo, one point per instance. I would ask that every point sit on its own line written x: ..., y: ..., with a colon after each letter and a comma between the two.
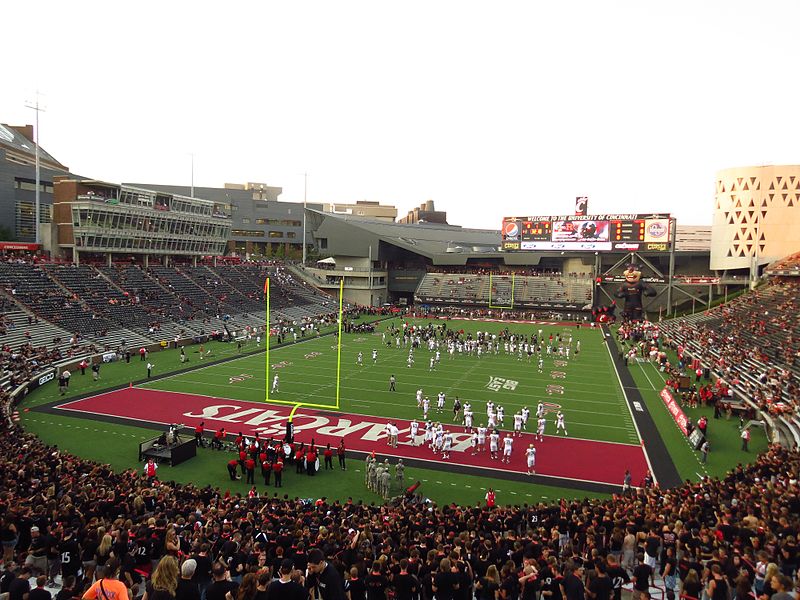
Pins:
x: 327, y: 578
x: 39, y: 593
x: 376, y: 583
x: 68, y: 589
x: 70, y: 554
x: 404, y: 584
x: 354, y: 586
x: 445, y: 582
x: 642, y: 578
x: 221, y: 584
x: 572, y: 585
x: 601, y: 585
x: 19, y: 588
x: 618, y: 576
x: 285, y: 588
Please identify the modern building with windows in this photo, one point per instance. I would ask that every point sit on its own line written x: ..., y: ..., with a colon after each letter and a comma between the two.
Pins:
x: 18, y: 182
x: 96, y: 220
x: 260, y: 224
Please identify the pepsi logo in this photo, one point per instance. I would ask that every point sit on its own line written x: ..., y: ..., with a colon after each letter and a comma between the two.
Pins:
x: 657, y: 229
x: 510, y: 229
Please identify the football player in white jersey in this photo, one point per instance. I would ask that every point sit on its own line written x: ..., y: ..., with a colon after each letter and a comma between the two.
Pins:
x: 419, y: 398
x: 448, y: 445
x: 492, y: 420
x: 540, y: 410
x: 530, y: 456
x: 473, y: 442
x: 440, y: 402
x: 560, y: 423
x: 412, y: 434
x: 508, y: 442
x: 481, y: 438
x: 540, y: 428
x: 360, y: 359
x: 489, y: 408
x: 501, y: 415
x: 494, y: 444
x: 518, y: 423
x: 426, y: 405
x: 468, y: 420
x: 374, y: 357
x: 526, y: 413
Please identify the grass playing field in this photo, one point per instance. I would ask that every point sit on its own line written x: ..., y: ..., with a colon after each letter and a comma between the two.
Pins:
x: 592, y: 401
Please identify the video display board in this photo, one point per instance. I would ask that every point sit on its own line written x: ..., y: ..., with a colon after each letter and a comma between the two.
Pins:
x: 627, y: 233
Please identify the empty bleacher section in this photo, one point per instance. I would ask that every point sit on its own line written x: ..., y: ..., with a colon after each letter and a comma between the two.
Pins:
x: 528, y: 291
x: 125, y: 305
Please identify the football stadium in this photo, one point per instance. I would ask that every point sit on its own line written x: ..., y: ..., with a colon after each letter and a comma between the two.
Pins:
x: 213, y: 393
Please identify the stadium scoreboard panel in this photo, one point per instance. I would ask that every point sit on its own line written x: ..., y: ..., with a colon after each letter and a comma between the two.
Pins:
x: 627, y: 233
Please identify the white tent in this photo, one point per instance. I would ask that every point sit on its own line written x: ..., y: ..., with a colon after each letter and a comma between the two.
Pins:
x: 327, y: 261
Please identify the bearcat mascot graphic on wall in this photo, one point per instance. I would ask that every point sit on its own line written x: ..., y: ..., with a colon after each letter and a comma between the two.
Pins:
x: 632, y: 291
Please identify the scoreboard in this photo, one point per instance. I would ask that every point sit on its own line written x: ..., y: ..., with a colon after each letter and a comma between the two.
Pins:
x: 627, y: 233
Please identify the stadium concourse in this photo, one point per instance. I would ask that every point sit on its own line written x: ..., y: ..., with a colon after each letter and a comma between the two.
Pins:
x: 72, y: 522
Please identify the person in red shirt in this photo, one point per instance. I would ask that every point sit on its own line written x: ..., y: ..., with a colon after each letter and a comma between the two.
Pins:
x: 278, y: 469
x: 232, y: 465
x: 328, y: 457
x: 490, y: 498
x: 250, y: 466
x: 298, y: 459
x: 219, y: 436
x: 198, y: 433
x: 242, y: 458
x: 311, y: 462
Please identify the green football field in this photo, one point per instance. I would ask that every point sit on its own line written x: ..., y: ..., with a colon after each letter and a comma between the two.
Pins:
x: 592, y: 401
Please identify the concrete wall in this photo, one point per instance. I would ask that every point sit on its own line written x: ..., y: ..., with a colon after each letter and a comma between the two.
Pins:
x: 756, y: 216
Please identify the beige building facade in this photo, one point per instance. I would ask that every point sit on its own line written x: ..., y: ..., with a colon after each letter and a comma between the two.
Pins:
x: 756, y: 216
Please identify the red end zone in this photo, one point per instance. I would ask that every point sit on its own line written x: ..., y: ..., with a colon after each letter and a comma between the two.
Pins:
x: 568, y: 458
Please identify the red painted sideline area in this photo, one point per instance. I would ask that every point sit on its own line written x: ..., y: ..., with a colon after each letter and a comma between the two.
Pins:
x: 587, y: 460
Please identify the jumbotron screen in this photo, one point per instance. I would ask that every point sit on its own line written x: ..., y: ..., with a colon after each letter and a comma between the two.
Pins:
x: 625, y: 233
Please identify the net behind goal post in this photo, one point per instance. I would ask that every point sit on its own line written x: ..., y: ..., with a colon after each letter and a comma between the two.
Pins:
x: 268, y: 367
x: 501, y: 291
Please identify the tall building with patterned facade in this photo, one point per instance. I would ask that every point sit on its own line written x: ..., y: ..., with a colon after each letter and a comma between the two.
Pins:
x: 756, y: 216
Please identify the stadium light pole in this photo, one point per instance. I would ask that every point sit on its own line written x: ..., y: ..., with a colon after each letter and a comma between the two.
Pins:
x: 35, y: 106
x: 305, y: 198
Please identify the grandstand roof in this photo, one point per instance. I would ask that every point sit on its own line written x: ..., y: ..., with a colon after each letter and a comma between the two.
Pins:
x: 13, y: 138
x: 349, y: 235
x: 443, y: 244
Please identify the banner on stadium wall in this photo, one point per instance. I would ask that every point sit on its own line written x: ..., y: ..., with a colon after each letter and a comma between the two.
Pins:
x: 675, y: 410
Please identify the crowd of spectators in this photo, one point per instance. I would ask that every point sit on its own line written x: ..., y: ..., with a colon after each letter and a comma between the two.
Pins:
x: 750, y: 342
x: 61, y: 517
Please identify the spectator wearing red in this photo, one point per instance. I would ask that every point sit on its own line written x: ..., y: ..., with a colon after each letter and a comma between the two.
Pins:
x: 328, y: 457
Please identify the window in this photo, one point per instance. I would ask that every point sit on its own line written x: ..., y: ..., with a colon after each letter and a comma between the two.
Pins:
x: 245, y: 221
x: 276, y: 234
x: 246, y: 233
x: 261, y: 221
x: 323, y: 243
x: 291, y: 235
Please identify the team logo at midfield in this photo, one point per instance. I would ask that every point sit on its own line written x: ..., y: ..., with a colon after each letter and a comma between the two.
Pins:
x: 313, y: 355
x: 501, y: 383
x: 555, y: 389
x: 551, y: 407
x: 560, y: 363
x: 558, y: 375
x: 282, y: 365
x: 240, y: 377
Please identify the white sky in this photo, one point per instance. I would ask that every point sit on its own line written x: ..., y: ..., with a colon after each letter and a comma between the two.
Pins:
x: 488, y: 108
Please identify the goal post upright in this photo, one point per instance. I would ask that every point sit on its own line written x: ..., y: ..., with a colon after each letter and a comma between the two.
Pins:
x: 294, y: 404
x: 491, y: 283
